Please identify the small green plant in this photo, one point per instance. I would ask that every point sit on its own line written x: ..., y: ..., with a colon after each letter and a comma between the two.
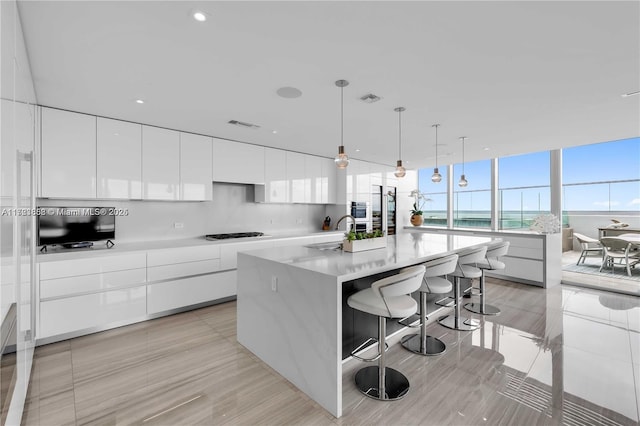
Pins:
x: 416, y: 210
x: 353, y: 235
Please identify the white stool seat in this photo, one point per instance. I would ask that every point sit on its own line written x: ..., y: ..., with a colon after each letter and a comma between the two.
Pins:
x: 491, y: 265
x: 436, y: 285
x: 464, y: 269
x: 388, y: 297
x: 368, y: 301
x: 432, y: 283
x: 467, y: 271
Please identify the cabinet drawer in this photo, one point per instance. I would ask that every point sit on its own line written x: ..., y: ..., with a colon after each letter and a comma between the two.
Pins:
x: 527, y: 269
x: 73, y: 285
x: 190, y: 291
x: 94, y: 265
x: 524, y: 242
x: 91, y: 310
x: 182, y: 254
x: 529, y: 253
x: 166, y: 272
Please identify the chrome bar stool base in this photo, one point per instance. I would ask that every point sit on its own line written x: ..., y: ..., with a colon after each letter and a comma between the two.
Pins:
x: 462, y: 324
x: 477, y: 308
x: 430, y: 346
x: 396, y: 384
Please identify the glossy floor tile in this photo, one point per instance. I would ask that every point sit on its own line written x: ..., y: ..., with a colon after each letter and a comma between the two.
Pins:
x: 566, y: 355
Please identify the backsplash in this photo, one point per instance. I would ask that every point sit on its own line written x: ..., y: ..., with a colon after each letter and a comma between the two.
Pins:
x: 232, y: 209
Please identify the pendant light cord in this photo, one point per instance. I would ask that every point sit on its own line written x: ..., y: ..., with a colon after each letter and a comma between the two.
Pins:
x: 399, y: 135
x: 463, y: 138
x: 436, y: 126
x: 342, y: 116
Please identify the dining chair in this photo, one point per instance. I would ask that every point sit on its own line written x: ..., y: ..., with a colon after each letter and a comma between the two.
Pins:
x: 590, y: 247
x: 617, y: 249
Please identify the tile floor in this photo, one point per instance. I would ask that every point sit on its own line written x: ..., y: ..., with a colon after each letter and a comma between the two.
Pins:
x: 561, y: 356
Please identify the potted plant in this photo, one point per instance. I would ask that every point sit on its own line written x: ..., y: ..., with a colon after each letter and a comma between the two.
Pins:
x: 416, y: 216
x: 361, y: 241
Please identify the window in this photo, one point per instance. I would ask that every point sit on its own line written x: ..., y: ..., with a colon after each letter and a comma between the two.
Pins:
x: 523, y: 189
x: 472, y: 204
x: 602, y: 177
x: 435, y: 205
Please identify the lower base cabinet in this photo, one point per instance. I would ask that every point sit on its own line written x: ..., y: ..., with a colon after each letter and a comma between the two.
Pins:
x: 71, y: 314
x: 176, y: 294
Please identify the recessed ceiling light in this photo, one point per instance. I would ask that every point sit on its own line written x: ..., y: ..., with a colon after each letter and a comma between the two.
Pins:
x: 199, y: 16
x: 274, y: 131
x: 289, y: 92
x: 357, y: 150
x: 626, y: 95
x: 486, y: 148
x: 139, y: 101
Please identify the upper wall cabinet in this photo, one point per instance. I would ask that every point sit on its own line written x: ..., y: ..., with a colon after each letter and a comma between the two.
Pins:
x: 119, y: 165
x: 276, y: 187
x: 195, y: 167
x: 68, y: 154
x: 237, y: 162
x: 328, y: 181
x: 299, y: 185
x: 160, y: 164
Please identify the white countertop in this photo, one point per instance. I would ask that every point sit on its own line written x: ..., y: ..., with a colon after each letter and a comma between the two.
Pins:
x: 402, y: 250
x: 100, y: 249
x: 514, y: 232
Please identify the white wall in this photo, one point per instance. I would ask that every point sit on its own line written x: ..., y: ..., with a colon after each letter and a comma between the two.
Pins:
x: 587, y: 223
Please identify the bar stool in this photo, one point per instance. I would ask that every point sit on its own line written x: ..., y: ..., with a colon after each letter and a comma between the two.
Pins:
x: 464, y: 269
x: 432, y: 282
x: 387, y: 298
x: 489, y: 263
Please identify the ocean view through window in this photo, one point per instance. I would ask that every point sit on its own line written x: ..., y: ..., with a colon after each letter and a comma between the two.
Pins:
x: 599, y: 180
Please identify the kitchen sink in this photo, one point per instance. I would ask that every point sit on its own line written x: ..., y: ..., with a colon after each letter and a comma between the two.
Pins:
x: 335, y: 246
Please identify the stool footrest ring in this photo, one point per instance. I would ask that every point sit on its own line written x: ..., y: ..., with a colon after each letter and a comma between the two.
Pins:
x: 408, y: 321
x: 363, y: 346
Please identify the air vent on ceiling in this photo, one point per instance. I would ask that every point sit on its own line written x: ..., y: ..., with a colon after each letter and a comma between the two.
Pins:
x: 244, y: 124
x: 370, y: 98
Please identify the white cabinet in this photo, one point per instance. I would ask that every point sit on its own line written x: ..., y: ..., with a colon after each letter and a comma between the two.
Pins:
x: 238, y: 162
x: 72, y: 314
x: 119, y: 159
x: 195, y: 167
x: 313, y: 173
x: 328, y: 181
x: 299, y: 184
x: 81, y: 294
x: 276, y: 187
x: 160, y: 164
x: 169, y: 295
x: 359, y: 181
x: 68, y: 154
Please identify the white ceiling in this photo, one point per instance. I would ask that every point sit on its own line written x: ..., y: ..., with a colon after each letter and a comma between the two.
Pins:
x: 513, y: 77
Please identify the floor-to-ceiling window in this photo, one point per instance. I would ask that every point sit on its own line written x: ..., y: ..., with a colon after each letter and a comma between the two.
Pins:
x: 523, y: 189
x: 472, y: 203
x: 434, y: 200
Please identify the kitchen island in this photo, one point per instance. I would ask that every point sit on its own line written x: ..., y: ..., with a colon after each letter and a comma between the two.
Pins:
x: 291, y: 302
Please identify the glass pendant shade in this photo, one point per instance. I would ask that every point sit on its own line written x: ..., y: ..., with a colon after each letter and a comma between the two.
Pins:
x: 436, y: 176
x: 400, y: 170
x: 463, y: 181
x: 341, y: 160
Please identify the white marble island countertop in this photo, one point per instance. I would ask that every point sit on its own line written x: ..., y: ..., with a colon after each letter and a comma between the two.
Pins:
x: 402, y: 250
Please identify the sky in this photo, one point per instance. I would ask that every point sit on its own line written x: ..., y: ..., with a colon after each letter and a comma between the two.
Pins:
x: 609, y: 161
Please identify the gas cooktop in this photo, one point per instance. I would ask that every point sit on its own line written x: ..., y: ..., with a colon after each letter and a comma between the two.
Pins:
x: 233, y: 235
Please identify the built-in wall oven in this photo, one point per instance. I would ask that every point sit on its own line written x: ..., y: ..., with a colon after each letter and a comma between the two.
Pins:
x: 361, y: 212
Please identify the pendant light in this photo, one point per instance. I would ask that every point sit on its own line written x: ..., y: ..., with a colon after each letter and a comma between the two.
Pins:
x: 400, y: 170
x: 463, y: 180
x: 341, y: 160
x: 436, y: 176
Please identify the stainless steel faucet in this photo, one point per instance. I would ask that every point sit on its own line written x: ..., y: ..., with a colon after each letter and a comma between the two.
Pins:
x: 344, y: 217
